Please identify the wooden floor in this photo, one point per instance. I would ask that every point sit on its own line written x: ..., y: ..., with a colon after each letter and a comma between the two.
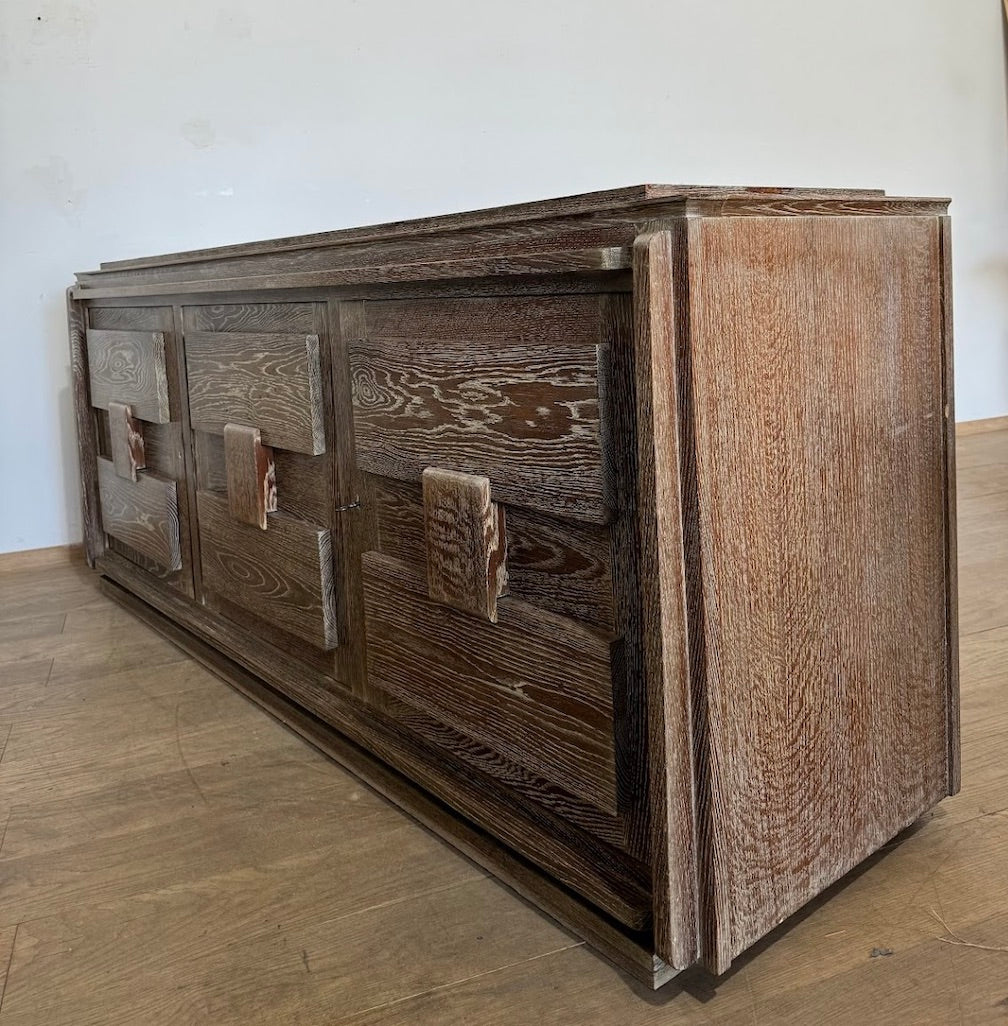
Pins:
x: 170, y: 854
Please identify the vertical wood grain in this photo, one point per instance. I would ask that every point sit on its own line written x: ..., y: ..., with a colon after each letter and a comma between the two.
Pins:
x: 87, y: 435
x: 663, y: 599
x: 821, y: 499
x: 126, y: 441
x: 251, y: 475
x: 465, y: 542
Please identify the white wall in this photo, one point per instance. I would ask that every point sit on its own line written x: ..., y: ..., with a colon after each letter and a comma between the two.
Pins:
x: 128, y: 128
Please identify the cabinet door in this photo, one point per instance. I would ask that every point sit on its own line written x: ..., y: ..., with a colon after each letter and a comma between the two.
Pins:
x: 260, y: 408
x: 135, y: 391
x: 499, y: 606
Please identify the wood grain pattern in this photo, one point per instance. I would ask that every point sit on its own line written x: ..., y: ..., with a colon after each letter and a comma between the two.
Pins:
x: 491, y: 764
x: 533, y: 687
x: 523, y: 414
x: 601, y: 874
x: 466, y: 542
x: 559, y: 565
x: 249, y: 318
x: 821, y: 505
x: 284, y: 575
x: 129, y: 367
x: 625, y: 951
x: 87, y: 433
x: 664, y: 601
x: 143, y: 514
x: 619, y: 412
x: 251, y: 475
x: 271, y: 381
x: 126, y: 441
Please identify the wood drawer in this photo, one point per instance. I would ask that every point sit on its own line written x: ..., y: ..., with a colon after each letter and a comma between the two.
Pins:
x: 267, y: 380
x: 129, y: 367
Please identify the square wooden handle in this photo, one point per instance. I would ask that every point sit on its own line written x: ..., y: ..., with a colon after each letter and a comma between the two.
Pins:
x: 466, y: 542
x: 251, y: 475
x: 127, y: 441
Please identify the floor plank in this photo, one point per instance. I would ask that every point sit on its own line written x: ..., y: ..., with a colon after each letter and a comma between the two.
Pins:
x: 170, y: 854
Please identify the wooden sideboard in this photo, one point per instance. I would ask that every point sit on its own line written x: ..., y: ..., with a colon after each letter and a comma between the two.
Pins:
x: 611, y: 536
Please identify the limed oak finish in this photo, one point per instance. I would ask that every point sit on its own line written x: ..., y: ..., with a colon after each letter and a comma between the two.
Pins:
x: 612, y: 536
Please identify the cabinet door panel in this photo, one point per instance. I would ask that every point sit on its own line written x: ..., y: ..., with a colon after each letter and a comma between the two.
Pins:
x: 523, y: 672
x: 280, y: 581
x: 133, y: 361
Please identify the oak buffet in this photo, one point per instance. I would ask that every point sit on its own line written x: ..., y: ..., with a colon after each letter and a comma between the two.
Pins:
x: 611, y: 536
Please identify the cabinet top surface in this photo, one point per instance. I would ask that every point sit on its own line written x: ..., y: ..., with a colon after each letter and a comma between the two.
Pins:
x: 564, y: 220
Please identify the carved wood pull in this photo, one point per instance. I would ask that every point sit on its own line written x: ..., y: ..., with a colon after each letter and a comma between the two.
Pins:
x: 251, y: 475
x: 466, y: 542
x: 127, y: 441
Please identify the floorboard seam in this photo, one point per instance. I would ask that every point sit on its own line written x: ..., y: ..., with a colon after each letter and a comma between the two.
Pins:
x: 458, y: 983
x: 3, y: 747
x: 10, y: 961
x: 404, y: 898
x: 3, y: 836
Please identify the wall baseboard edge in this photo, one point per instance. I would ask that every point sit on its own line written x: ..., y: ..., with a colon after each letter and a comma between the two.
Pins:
x: 979, y: 427
x: 36, y: 559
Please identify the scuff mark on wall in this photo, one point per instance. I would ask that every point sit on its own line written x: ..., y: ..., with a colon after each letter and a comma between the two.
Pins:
x: 200, y: 133
x: 55, y: 180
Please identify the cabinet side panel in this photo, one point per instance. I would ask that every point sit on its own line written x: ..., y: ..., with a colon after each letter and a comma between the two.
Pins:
x: 817, y: 377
